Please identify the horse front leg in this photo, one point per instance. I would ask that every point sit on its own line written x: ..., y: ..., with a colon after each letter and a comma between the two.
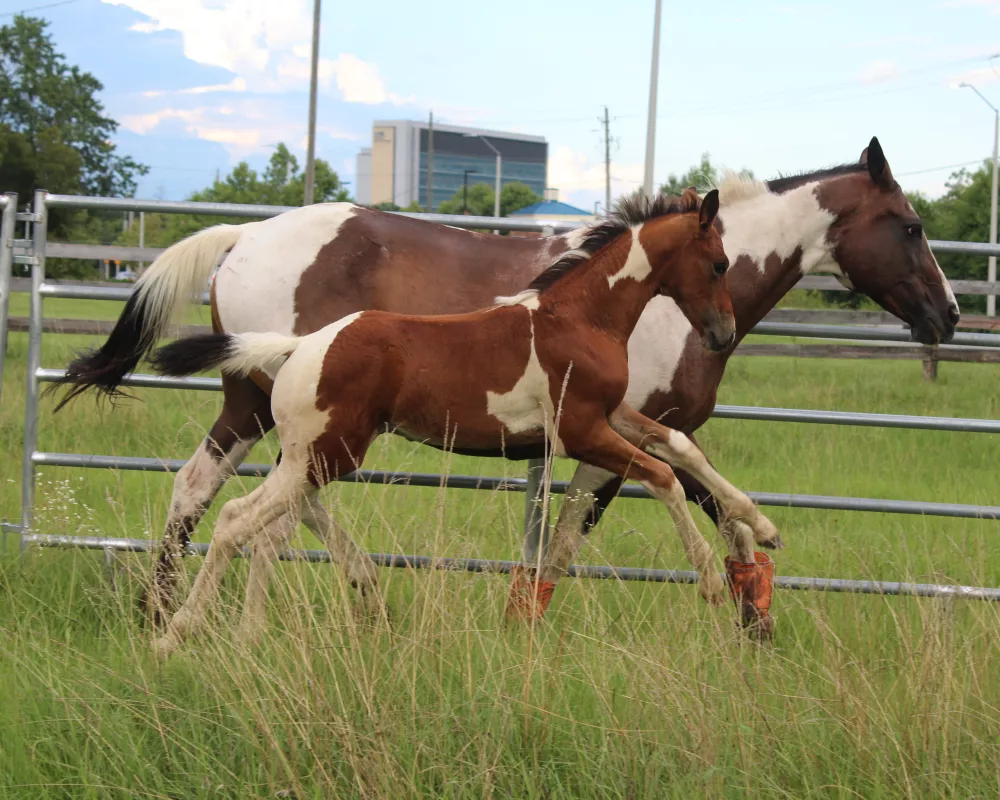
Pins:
x: 605, y: 451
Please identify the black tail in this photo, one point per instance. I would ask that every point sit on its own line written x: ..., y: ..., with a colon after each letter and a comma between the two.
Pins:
x: 104, y: 369
x: 193, y: 354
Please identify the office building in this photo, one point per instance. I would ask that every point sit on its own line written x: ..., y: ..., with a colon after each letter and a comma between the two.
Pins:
x: 394, y: 168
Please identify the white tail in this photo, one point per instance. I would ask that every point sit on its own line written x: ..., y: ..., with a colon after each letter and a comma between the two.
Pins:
x: 180, y: 274
x: 258, y: 351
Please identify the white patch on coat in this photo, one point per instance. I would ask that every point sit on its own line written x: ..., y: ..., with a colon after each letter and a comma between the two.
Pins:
x: 528, y: 405
x: 528, y: 298
x: 255, y: 286
x: 655, y: 349
x: 763, y: 223
x: 636, y: 266
x: 293, y: 398
x: 944, y: 279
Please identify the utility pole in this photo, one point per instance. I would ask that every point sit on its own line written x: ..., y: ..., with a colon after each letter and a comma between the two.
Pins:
x: 430, y: 165
x: 607, y: 162
x: 310, y: 181
x: 647, y: 182
x: 991, y: 275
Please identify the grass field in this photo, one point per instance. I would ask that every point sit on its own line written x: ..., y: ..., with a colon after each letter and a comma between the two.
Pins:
x: 626, y: 690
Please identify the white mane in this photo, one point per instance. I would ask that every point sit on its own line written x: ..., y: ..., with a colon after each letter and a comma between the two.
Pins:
x: 736, y: 187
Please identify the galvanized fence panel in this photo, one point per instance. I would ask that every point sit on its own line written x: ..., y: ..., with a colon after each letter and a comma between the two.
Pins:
x: 533, y: 485
x: 8, y: 213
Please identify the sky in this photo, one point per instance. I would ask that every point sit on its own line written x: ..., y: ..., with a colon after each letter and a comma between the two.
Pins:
x: 777, y: 86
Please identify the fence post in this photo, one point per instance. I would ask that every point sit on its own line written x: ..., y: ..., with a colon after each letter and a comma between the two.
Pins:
x: 8, y: 223
x: 930, y: 363
x: 38, y: 235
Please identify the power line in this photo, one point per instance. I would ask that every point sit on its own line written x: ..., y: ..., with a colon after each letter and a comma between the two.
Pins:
x: 38, y: 8
x: 940, y: 169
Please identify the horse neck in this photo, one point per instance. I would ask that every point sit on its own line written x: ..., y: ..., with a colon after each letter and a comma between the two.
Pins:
x: 772, y: 240
x: 610, y: 289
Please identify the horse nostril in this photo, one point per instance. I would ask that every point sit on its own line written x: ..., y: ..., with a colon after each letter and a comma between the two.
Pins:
x: 954, y: 315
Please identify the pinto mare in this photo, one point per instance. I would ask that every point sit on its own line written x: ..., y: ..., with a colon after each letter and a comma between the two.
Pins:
x: 546, y: 367
x: 302, y: 270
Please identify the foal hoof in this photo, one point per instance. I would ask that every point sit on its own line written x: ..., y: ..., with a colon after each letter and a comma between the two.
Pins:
x: 773, y: 544
x: 528, y: 597
x: 711, y: 587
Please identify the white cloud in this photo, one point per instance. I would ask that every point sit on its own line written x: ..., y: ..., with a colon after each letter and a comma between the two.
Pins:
x: 576, y: 176
x: 265, y: 44
x: 879, y: 72
x: 977, y: 77
x: 244, y: 130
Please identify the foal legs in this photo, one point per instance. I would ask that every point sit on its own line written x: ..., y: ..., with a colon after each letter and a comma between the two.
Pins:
x: 676, y: 449
x: 281, y: 493
x: 245, y: 418
x: 360, y: 570
x: 607, y: 450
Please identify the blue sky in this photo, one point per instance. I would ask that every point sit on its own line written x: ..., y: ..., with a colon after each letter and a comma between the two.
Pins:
x: 776, y: 86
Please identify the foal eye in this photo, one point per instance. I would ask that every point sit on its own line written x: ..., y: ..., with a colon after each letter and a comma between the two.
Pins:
x: 720, y: 267
x: 914, y: 229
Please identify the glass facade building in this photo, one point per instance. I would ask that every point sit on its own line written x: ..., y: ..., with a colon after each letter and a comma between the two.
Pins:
x: 394, y: 169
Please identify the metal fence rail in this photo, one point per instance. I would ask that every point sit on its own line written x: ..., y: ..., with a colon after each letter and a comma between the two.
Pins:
x: 34, y: 458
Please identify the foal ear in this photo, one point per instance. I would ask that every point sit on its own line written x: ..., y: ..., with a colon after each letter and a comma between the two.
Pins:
x: 690, y: 199
x: 878, y: 168
x: 709, y: 208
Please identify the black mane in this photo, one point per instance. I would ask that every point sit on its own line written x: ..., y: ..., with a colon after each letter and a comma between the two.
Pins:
x: 627, y: 213
x: 785, y: 183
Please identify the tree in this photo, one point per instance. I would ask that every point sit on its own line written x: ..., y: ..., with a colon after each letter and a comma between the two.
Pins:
x: 55, y: 134
x: 961, y: 214
x: 281, y: 184
x: 702, y: 176
x: 481, y: 199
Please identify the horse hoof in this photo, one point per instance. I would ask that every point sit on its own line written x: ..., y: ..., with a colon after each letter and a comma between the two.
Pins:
x: 773, y: 544
x: 712, y: 589
x: 163, y: 648
x: 529, y: 597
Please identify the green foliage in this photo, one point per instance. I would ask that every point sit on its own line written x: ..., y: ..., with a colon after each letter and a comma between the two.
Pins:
x: 481, y: 199
x: 281, y: 184
x: 55, y: 133
x: 962, y: 214
x: 702, y: 176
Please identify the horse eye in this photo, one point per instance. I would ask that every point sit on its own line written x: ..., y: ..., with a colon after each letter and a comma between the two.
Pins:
x: 914, y: 230
x: 720, y: 267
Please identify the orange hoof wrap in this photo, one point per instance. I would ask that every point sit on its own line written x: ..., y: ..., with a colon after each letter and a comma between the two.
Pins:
x: 529, y: 597
x: 751, y: 586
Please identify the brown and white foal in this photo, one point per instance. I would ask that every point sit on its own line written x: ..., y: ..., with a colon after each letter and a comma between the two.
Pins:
x: 550, y: 364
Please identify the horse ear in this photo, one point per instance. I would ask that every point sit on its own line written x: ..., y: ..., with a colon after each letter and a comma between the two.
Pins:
x: 690, y: 199
x: 878, y: 168
x: 709, y: 208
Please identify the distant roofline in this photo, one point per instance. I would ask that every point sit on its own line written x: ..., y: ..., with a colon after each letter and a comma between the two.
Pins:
x: 422, y: 125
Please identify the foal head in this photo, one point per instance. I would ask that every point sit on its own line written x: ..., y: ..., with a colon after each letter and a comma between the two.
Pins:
x: 686, y: 254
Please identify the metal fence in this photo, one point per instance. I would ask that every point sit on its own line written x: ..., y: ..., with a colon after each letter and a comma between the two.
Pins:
x: 33, y: 251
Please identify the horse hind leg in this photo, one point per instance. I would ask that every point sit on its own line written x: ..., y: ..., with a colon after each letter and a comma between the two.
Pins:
x: 245, y: 418
x: 239, y: 521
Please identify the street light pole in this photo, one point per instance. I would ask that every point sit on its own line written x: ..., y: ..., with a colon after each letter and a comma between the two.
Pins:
x: 465, y: 188
x: 647, y: 182
x: 310, y: 179
x: 991, y: 300
x: 496, y: 192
